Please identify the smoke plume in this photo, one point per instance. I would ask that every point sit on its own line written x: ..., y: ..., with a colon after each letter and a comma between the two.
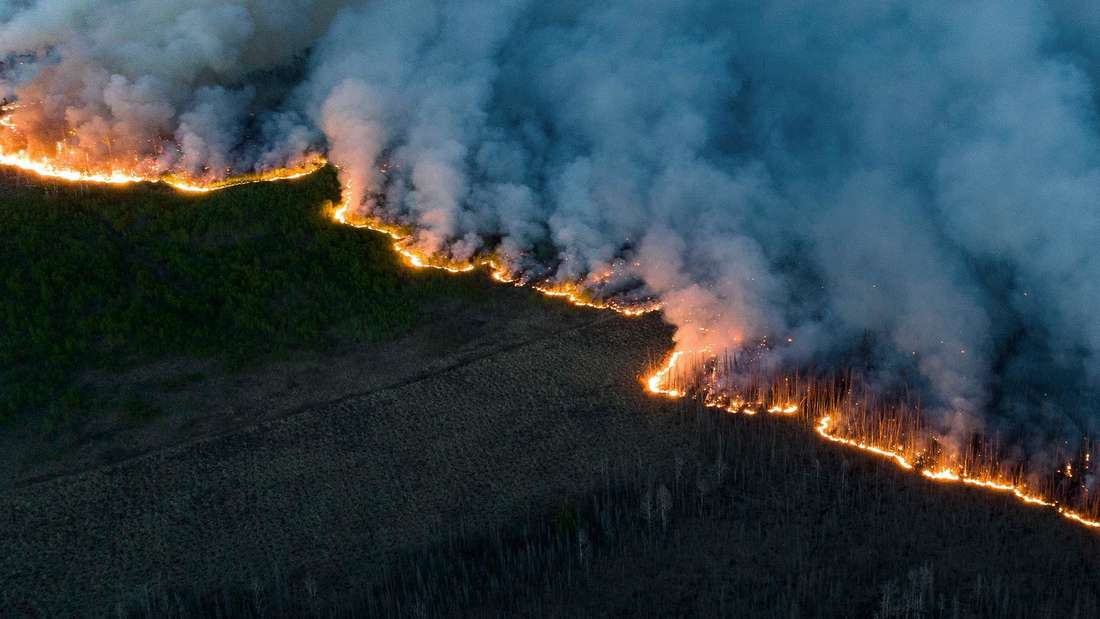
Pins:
x: 911, y: 184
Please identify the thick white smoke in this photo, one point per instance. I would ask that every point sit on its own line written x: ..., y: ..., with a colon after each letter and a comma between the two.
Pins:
x: 918, y: 180
x: 154, y: 86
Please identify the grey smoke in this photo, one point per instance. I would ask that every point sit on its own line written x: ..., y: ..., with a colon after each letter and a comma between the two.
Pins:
x: 922, y: 177
x: 173, y: 85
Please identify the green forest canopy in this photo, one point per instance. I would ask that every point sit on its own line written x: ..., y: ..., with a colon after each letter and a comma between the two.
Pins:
x: 110, y: 276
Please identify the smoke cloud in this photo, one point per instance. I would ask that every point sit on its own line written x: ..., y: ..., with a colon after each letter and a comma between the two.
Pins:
x: 151, y: 86
x: 917, y: 183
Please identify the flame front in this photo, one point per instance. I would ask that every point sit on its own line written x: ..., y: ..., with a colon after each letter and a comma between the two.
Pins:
x: 659, y: 382
x: 52, y: 171
x: 70, y: 164
x: 571, y: 292
x: 662, y: 382
x: 954, y: 476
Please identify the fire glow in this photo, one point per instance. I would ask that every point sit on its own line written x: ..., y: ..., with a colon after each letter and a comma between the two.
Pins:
x: 570, y: 292
x: 50, y: 171
x: 660, y: 383
x: 61, y: 167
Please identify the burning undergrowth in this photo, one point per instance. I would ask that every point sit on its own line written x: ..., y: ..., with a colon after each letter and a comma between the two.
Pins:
x: 848, y: 410
x: 608, y: 289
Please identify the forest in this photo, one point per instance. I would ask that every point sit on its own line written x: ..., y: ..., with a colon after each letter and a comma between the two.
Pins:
x: 107, y: 277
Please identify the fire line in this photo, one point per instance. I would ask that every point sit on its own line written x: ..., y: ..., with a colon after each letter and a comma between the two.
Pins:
x: 571, y: 292
x: 47, y: 170
x: 659, y: 383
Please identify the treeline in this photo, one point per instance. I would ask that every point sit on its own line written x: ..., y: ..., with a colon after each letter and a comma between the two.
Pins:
x: 109, y: 277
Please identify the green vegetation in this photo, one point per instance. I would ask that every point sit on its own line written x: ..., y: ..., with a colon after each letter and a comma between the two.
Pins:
x: 108, y: 277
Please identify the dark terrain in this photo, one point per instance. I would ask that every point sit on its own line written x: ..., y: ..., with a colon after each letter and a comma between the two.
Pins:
x: 473, y: 450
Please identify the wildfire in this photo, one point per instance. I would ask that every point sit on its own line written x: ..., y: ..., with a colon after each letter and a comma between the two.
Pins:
x: 48, y: 170
x: 409, y: 255
x: 823, y: 430
x: 61, y: 166
x: 659, y: 381
x: 662, y: 382
x: 947, y: 475
x: 402, y: 239
x: 572, y: 293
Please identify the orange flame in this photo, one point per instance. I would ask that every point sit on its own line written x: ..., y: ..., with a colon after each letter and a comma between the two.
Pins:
x: 51, y: 171
x: 572, y: 293
x: 660, y: 383
x: 945, y: 475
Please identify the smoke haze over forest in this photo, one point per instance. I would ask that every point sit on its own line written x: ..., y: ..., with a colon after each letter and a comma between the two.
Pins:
x: 915, y: 181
